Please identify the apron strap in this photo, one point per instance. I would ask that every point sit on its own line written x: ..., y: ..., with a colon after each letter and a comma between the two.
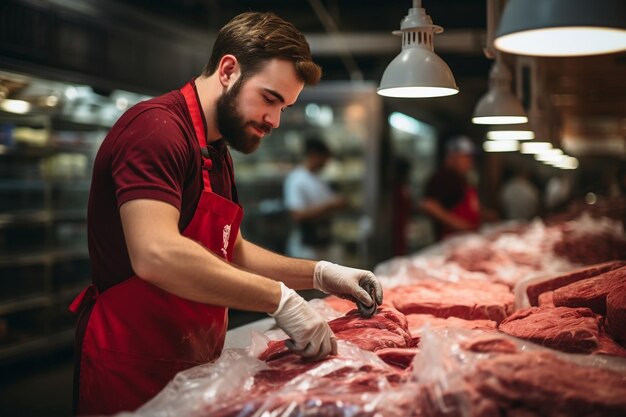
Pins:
x: 86, y: 297
x: 196, y: 117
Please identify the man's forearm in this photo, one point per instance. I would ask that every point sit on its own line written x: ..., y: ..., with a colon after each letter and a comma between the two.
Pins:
x: 295, y: 273
x: 436, y: 210
x: 190, y: 271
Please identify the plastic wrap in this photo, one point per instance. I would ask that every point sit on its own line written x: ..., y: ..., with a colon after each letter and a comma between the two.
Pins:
x: 458, y: 373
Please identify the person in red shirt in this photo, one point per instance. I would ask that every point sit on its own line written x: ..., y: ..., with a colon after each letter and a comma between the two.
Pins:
x: 168, y: 258
x: 449, y: 199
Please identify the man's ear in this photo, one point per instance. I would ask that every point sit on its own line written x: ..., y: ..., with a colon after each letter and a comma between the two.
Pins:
x: 228, y: 70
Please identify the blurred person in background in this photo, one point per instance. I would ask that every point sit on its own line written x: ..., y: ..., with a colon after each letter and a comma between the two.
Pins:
x: 168, y: 258
x: 402, y: 205
x: 557, y: 192
x: 311, y: 202
x: 449, y: 198
x: 520, y: 198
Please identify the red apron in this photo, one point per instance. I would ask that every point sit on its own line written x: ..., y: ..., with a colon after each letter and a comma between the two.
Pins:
x: 138, y: 336
x: 468, y: 209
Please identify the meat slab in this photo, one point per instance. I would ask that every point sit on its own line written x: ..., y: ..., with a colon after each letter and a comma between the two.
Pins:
x: 540, y: 384
x: 616, y: 314
x: 417, y: 323
x: 590, y: 292
x: 574, y: 330
x: 466, y: 299
x: 533, y: 291
x: 387, y: 328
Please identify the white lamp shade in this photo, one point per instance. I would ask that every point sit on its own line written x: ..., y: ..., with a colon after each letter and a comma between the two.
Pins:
x: 562, y: 27
x: 499, y: 107
x: 417, y: 72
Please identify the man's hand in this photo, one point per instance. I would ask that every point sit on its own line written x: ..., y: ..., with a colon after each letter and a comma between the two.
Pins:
x: 311, y: 337
x: 351, y: 283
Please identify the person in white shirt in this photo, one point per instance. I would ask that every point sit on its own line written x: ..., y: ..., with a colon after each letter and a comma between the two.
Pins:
x: 311, y: 203
x: 520, y: 198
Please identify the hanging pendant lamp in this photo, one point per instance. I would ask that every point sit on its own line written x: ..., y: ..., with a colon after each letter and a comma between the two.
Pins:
x: 417, y: 71
x: 562, y: 27
x: 499, y: 106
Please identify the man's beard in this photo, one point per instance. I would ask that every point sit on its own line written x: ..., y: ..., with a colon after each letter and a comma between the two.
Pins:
x: 231, y: 124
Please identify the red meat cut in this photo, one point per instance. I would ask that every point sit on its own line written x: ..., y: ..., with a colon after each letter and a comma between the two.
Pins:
x: 533, y: 291
x: 489, y: 344
x: 400, y: 358
x: 418, y: 321
x: 590, y: 292
x: 540, y: 384
x: 387, y: 328
x: 616, y: 314
x: 466, y: 299
x: 574, y: 330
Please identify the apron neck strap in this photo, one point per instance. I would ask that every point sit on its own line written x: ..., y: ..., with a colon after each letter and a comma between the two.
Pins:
x: 196, y: 117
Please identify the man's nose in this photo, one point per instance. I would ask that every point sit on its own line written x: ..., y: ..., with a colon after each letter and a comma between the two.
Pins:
x: 272, y: 118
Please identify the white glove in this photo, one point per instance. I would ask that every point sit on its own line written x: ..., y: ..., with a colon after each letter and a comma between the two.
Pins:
x: 311, y: 337
x: 353, y: 284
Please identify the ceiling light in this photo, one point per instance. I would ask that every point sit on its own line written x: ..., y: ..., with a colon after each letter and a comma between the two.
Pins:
x: 501, y: 146
x: 417, y: 71
x: 535, y: 147
x: 15, y: 106
x: 405, y: 123
x: 511, y: 135
x: 562, y: 27
x: 549, y: 155
x: 499, y: 106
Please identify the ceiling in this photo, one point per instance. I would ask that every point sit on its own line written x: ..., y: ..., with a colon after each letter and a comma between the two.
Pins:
x: 584, y: 95
x: 584, y: 98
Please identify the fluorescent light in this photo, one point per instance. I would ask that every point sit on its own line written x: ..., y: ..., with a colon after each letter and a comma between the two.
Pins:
x: 511, y: 134
x: 405, y: 123
x: 562, y: 27
x: 15, y: 106
x: 535, y: 147
x: 417, y: 71
x: 501, y: 146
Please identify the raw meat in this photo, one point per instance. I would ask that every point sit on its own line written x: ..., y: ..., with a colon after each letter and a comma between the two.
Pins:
x: 616, y: 314
x: 590, y: 292
x: 544, y: 385
x: 588, y: 248
x: 388, y: 328
x: 340, y: 305
x: 490, y: 344
x: 575, y: 330
x: 546, y: 299
x: 533, y: 291
x: 400, y: 358
x: 418, y: 321
x: 466, y: 299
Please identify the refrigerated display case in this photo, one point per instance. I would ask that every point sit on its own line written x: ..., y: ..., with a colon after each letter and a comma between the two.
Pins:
x: 47, y: 149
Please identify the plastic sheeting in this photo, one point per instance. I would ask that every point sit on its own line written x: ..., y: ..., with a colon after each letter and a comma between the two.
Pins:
x: 456, y: 373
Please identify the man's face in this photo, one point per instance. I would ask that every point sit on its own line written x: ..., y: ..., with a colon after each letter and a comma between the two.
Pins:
x: 250, y: 109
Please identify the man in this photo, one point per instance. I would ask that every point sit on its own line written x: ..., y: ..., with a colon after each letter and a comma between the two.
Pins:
x: 167, y: 255
x: 449, y: 199
x: 311, y: 202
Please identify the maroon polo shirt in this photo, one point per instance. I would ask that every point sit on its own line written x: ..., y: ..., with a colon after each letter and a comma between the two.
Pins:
x: 150, y: 153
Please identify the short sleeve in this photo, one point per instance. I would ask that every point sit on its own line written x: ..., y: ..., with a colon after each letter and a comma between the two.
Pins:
x: 150, y: 158
x: 294, y: 196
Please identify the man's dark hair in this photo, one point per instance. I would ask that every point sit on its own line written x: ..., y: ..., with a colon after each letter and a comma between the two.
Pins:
x: 255, y: 38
